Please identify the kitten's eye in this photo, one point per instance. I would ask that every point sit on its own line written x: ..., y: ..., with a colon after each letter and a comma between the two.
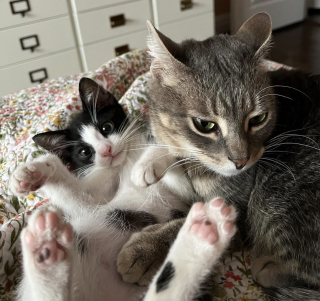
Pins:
x: 204, y: 126
x: 85, y: 152
x: 258, y: 119
x: 107, y: 127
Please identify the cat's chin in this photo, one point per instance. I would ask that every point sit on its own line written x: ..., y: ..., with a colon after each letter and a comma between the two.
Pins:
x: 118, y: 159
x: 230, y: 173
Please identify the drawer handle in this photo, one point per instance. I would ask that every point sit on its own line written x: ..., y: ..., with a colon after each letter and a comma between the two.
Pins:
x: 26, y: 42
x: 38, y: 76
x: 122, y: 49
x: 117, y: 20
x: 186, y: 4
x: 20, y: 7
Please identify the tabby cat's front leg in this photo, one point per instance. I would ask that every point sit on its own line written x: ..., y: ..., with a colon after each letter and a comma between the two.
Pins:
x: 200, y: 243
x: 47, y: 257
x: 144, y: 253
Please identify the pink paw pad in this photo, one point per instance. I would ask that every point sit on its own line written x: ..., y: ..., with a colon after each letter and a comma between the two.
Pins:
x: 49, y: 239
x: 205, y: 230
x: 207, y: 220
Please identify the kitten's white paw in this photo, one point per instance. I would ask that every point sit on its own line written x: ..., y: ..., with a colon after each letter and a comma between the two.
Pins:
x: 148, y: 172
x: 31, y: 176
x: 47, y: 240
x: 208, y: 230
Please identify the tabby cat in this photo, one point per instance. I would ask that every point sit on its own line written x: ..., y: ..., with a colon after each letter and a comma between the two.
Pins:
x: 248, y: 135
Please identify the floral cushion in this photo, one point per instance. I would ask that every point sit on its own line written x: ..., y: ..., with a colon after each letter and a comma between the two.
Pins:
x: 50, y: 106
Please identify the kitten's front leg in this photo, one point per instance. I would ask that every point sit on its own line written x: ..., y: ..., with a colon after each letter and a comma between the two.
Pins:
x: 50, y: 175
x: 47, y: 257
x: 32, y: 176
x: 151, y: 167
x: 201, y: 241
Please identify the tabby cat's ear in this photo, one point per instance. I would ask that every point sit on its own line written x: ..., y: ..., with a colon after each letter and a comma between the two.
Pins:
x: 256, y: 32
x: 316, y: 79
x: 164, y: 52
x: 93, y: 96
x: 55, y: 142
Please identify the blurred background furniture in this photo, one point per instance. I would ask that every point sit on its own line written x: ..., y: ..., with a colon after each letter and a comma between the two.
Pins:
x: 44, y: 39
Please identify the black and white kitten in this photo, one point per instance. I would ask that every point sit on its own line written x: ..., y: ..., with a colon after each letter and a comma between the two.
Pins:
x: 248, y: 135
x: 101, y: 208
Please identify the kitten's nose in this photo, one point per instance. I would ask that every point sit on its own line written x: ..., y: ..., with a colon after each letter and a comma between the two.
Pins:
x: 240, y: 163
x: 104, y: 150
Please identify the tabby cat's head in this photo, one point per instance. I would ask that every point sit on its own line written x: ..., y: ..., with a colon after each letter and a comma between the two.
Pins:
x: 210, y: 99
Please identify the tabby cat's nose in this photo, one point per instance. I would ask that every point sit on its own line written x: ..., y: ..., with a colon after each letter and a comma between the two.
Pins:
x: 239, y: 163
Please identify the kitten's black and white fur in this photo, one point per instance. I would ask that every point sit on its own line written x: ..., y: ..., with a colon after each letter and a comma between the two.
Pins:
x: 248, y: 135
x: 70, y: 247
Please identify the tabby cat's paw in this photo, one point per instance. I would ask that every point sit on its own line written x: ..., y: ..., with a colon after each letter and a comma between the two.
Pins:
x: 148, y: 172
x: 31, y: 176
x: 47, y: 240
x: 142, y: 256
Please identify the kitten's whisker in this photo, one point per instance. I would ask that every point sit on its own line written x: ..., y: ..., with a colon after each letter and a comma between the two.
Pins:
x: 85, y: 170
x: 130, y: 130
x: 170, y: 146
x: 176, y: 164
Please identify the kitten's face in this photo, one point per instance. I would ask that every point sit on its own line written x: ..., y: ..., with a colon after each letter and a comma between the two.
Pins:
x: 94, y: 139
x: 210, y: 99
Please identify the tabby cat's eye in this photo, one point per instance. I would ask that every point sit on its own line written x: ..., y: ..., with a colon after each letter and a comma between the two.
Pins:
x: 107, y: 127
x: 258, y: 119
x: 204, y: 126
x: 85, y: 152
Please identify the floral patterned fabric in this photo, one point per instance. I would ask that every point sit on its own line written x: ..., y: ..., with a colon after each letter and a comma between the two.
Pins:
x: 50, y: 106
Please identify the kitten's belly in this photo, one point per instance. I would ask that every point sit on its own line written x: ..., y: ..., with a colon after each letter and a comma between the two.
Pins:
x: 95, y: 276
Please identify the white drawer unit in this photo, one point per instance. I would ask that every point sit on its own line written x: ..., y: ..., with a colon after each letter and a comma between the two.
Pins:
x: 34, y: 40
x: 18, y: 12
x: 179, y: 9
x: 201, y: 31
x: 114, y: 21
x: 81, y: 5
x: 43, y: 39
x: 97, y: 54
x: 184, y: 19
x: 28, y: 74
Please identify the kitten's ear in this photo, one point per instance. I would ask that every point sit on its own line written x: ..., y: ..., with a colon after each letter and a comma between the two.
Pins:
x: 55, y: 142
x: 165, y: 53
x: 256, y: 32
x: 93, y: 96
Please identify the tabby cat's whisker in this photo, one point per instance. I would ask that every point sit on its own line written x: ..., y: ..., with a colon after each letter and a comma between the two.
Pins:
x: 294, y: 143
x: 274, y: 95
x: 281, y: 164
x: 273, y: 86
